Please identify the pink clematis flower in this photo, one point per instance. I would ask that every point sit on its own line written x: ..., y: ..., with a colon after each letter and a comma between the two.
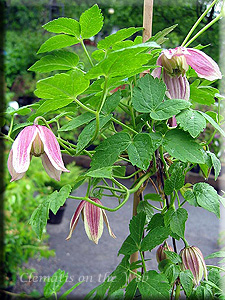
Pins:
x: 175, y: 63
x: 93, y: 217
x: 35, y: 140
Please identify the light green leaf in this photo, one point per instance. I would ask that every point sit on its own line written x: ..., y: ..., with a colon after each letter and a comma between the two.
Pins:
x: 119, y: 171
x: 159, y: 37
x: 202, y: 94
x: 78, y: 121
x: 213, y: 123
x: 175, y: 182
x: 50, y: 105
x: 153, y: 197
x: 181, y: 145
x: 70, y: 290
x: 105, y: 172
x: 140, y: 151
x: 57, y: 42
x: 207, y: 197
x: 220, y: 254
x: 190, y: 197
x: 108, y: 151
x: 22, y: 111
x: 57, y: 199
x: 91, y: 22
x: 120, y: 35
x: 62, y: 86
x: 88, y: 132
x: 60, y: 60
x: 148, y: 94
x: 177, y: 222
x: 63, y: 25
x: 155, y: 237
x: 191, y: 121
x: 111, y: 102
x: 55, y: 283
x: 153, y: 286
x: 216, y: 163
x: 186, y: 280
x: 168, y: 108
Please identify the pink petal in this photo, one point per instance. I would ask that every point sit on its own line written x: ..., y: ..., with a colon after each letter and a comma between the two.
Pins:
x: 177, y: 87
x: 49, y: 168
x: 75, y: 218
x: 93, y: 221
x: 157, y: 72
x: 107, y: 224
x: 22, y: 148
x: 204, y: 65
x: 51, y: 147
x: 15, y: 176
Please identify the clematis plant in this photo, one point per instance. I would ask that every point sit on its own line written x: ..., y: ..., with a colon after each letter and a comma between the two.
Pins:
x: 90, y: 97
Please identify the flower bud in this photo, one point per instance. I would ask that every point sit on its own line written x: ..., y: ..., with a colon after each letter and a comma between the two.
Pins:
x: 193, y: 260
x: 160, y: 253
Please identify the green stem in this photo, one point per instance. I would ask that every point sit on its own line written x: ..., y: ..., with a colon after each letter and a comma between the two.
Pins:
x: 216, y: 267
x: 182, y: 203
x: 177, y: 292
x: 197, y: 22
x: 86, y: 52
x: 109, y: 188
x: 212, y: 137
x: 124, y: 125
x: 178, y: 199
x: 139, y: 184
x: 185, y: 242
x: 6, y: 137
x: 132, y: 272
x: 203, y: 30
x: 43, y: 119
x: 163, y: 161
x: 127, y: 177
x: 85, y: 107
x: 11, y: 126
x: 143, y: 261
x: 88, y: 188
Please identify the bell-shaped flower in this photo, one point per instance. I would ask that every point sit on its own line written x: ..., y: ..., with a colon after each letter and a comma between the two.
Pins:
x: 175, y: 63
x: 193, y: 260
x: 93, y: 217
x: 160, y: 253
x: 35, y: 140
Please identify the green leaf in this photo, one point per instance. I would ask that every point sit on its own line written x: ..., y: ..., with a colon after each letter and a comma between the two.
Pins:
x: 129, y: 246
x: 175, y: 182
x: 70, y: 290
x: 156, y: 221
x: 173, y: 256
x: 207, y: 197
x: 216, y: 255
x: 190, y: 197
x: 140, y: 151
x: 159, y: 37
x: 78, y: 121
x: 213, y: 123
x: 155, y: 237
x: 105, y: 172
x: 111, y: 102
x: 172, y: 272
x: 131, y: 290
x: 145, y: 207
x: 63, y: 25
x: 60, y: 60
x: 136, y: 227
x: 120, y: 35
x: 180, y: 145
x: 186, y: 280
x: 50, y: 105
x: 62, y: 86
x: 216, y: 163
x: 55, y: 283
x: 148, y: 94
x: 22, y: 111
x: 202, y: 94
x: 108, y: 151
x: 39, y: 217
x: 88, y: 132
x: 153, y: 197
x: 177, y: 222
x: 156, y: 139
x: 57, y: 42
x: 91, y: 22
x: 168, y: 108
x: 57, y: 199
x: 191, y: 121
x: 119, y: 171
x: 153, y: 286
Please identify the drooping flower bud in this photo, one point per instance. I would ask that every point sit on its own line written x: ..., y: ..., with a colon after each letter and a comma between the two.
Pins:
x: 160, y: 253
x: 193, y: 260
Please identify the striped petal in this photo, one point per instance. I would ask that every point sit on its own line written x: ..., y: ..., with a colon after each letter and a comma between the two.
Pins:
x: 51, y: 148
x: 21, y: 149
x: 204, y: 65
x: 49, y: 168
x: 15, y: 176
x: 177, y: 87
x: 93, y: 221
x: 75, y: 218
x: 107, y: 224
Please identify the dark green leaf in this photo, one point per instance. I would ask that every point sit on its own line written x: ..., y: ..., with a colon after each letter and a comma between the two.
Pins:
x: 148, y: 94
x: 172, y: 272
x: 159, y: 37
x: 57, y: 199
x: 175, y: 182
x: 63, y: 25
x: 140, y: 150
x: 91, y: 22
x: 213, y: 123
x: 129, y: 246
x: 216, y: 163
x: 136, y: 227
x: 156, y: 221
x: 55, y: 282
x: 145, y: 207
x: 207, y: 197
x: 155, y: 237
x: 186, y: 280
x: 168, y: 108
x: 156, y: 139
x: 180, y: 145
x: 191, y: 121
x: 104, y: 172
x: 119, y: 171
x: 131, y: 290
x: 78, y: 121
x: 88, y: 132
x: 57, y: 42
x: 177, y: 222
x: 111, y: 102
x: 60, y: 60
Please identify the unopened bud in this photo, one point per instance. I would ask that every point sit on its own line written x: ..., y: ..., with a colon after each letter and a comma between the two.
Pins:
x: 160, y: 253
x: 193, y: 260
